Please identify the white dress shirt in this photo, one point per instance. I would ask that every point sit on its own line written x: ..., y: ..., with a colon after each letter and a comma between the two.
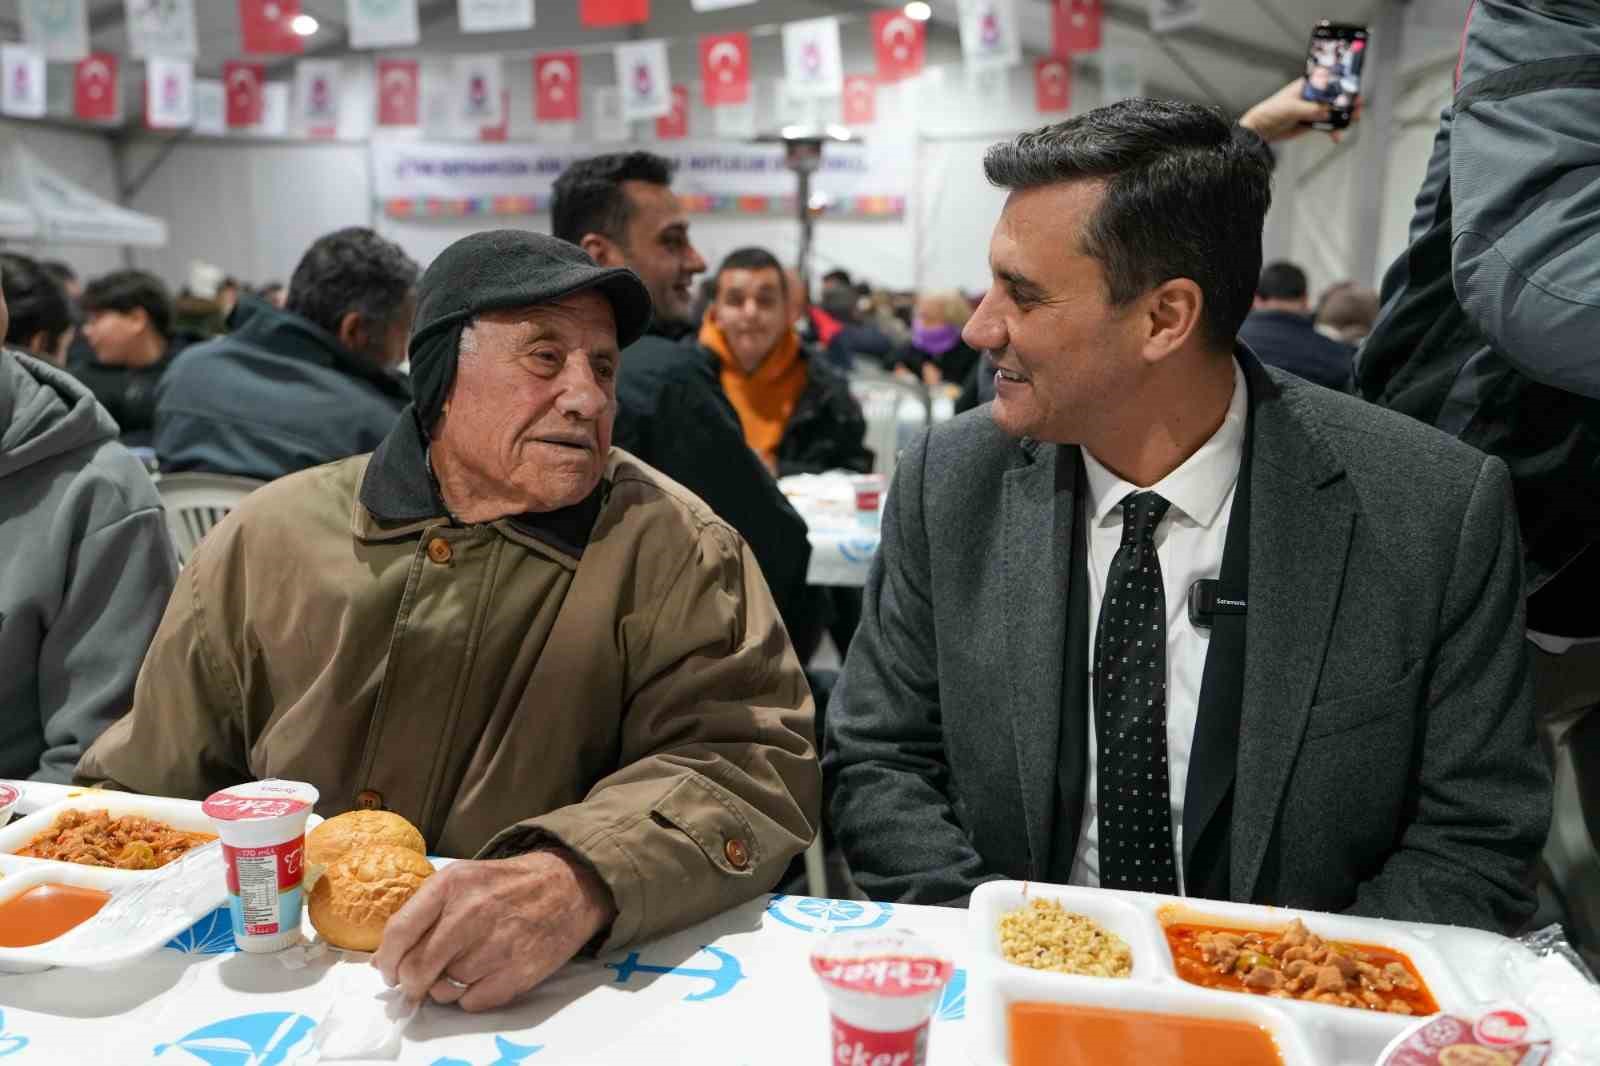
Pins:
x: 1189, y: 542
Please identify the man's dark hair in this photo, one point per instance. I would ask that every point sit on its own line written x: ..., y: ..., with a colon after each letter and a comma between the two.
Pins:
x: 753, y: 259
x: 36, y: 299
x: 1185, y: 195
x: 1282, y: 280
x: 837, y: 277
x: 127, y: 290
x: 348, y: 270
x: 59, y: 270
x: 588, y: 196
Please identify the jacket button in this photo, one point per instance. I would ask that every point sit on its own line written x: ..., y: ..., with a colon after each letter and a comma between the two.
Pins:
x: 369, y: 800
x: 439, y: 550
x: 738, y: 855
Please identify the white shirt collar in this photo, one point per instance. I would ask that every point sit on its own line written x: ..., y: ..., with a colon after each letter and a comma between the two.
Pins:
x: 1199, y: 487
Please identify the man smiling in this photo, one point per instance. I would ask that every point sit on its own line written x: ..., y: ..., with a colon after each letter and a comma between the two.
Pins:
x: 539, y: 651
x: 1162, y: 619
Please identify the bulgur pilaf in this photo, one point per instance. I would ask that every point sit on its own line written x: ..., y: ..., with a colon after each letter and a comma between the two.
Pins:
x: 1045, y: 936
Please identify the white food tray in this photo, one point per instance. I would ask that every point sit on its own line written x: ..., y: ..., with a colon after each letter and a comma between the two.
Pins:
x: 1308, y: 1034
x: 147, y: 907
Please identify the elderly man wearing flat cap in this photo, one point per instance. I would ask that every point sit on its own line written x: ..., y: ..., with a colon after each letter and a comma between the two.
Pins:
x: 538, y: 650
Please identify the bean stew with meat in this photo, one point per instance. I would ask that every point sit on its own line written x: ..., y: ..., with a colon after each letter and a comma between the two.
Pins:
x: 94, y: 838
x: 1295, y: 963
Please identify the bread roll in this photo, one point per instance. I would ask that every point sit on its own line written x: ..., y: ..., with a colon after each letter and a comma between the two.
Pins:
x: 355, y: 896
x: 337, y: 837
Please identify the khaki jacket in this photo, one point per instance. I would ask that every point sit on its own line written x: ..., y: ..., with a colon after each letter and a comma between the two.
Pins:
x: 635, y: 699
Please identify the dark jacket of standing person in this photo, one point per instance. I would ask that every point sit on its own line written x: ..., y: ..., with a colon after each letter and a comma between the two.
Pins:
x: 85, y: 571
x: 1491, y: 315
x: 670, y: 412
x: 1280, y: 332
x: 130, y: 342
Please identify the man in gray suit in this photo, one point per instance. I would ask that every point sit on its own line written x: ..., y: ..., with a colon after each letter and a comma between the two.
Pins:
x: 1160, y: 618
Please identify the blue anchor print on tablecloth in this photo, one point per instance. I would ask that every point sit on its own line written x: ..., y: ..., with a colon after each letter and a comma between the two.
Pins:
x: 10, y: 1043
x: 211, y: 935
x: 510, y: 1054
x: 812, y: 914
x: 249, y: 1040
x: 727, y: 974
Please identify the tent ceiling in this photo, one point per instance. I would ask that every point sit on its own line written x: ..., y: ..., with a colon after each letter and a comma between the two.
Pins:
x: 1245, y: 49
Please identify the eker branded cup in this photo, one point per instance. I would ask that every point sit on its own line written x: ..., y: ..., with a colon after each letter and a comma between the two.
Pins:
x: 263, y: 829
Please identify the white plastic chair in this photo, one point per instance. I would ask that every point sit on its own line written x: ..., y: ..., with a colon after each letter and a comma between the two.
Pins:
x: 196, y: 502
x: 895, y: 411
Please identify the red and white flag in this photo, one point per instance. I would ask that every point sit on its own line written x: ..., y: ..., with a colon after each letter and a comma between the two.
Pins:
x: 1075, y: 26
x: 600, y: 13
x: 399, y: 94
x: 478, y: 84
x: 674, y: 125
x: 989, y: 38
x: 900, y: 44
x: 725, y: 68
x: 1052, y: 84
x: 268, y: 26
x: 644, y: 79
x: 556, y: 78
x: 168, y: 93
x: 242, y: 82
x: 860, y: 100
x: 23, y: 93
x: 94, y: 88
x: 813, y: 64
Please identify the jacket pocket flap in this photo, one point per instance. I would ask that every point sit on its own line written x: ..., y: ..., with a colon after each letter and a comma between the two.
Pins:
x: 1348, y: 712
x: 707, y: 814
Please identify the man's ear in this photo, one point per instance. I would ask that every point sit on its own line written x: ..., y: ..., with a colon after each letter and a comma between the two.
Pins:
x: 602, y: 249
x: 353, y: 331
x: 1173, y: 316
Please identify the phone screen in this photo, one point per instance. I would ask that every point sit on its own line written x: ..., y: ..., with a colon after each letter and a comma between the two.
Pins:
x: 1333, y: 70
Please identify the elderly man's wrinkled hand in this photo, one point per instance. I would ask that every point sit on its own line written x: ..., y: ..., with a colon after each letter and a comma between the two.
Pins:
x: 482, y: 933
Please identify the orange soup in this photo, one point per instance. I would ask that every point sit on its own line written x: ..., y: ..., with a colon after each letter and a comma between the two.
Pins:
x: 44, y: 912
x: 1059, y: 1034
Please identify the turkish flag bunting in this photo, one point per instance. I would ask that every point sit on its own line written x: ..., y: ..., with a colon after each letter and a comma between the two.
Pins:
x: 674, y: 125
x: 725, y: 68
x: 94, y: 87
x: 398, y: 103
x: 242, y: 83
x: 502, y: 131
x: 555, y: 86
x: 900, y: 43
x: 860, y: 100
x: 1074, y: 26
x: 1052, y: 84
x: 267, y: 26
x: 598, y: 13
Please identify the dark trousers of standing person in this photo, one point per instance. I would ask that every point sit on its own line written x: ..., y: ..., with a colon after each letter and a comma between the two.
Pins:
x: 1567, y: 691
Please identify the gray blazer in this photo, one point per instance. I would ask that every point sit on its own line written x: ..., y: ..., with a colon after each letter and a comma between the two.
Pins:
x: 1385, y: 763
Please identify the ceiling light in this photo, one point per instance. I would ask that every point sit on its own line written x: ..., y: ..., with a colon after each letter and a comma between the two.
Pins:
x: 918, y: 11
x: 305, y: 25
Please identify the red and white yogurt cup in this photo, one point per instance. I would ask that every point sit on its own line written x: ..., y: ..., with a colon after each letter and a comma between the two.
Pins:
x: 10, y: 795
x: 263, y: 829
x: 1500, y: 1034
x: 881, y: 987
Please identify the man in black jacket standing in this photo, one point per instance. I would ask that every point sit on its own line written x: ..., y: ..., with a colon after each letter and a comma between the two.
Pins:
x: 295, y: 388
x: 620, y: 208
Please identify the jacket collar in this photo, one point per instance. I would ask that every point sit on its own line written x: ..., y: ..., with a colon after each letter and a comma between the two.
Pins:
x: 399, y: 496
x: 288, y: 335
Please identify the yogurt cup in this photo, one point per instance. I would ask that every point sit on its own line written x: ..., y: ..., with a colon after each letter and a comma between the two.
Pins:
x: 881, y: 988
x: 263, y: 829
x: 1500, y: 1034
x: 9, y: 797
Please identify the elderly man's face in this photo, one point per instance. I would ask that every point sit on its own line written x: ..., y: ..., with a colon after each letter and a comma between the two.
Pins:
x: 533, y: 401
x: 1067, y: 356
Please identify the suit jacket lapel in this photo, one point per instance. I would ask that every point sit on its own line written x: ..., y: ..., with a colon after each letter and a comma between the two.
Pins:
x: 1040, y: 504
x: 1300, y: 527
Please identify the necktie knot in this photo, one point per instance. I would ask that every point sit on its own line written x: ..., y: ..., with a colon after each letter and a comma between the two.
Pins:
x: 1141, y: 513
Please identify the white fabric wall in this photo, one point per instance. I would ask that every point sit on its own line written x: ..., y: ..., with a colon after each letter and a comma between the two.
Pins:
x: 84, y: 158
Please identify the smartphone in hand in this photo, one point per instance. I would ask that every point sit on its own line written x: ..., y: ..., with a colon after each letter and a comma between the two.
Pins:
x: 1333, y: 70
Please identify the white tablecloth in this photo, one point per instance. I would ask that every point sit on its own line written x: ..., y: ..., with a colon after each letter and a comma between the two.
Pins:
x: 842, y: 542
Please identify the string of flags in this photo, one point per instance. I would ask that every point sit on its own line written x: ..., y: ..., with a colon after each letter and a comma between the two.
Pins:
x: 162, y: 34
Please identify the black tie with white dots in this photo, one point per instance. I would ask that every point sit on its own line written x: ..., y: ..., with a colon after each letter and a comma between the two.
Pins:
x: 1130, y: 709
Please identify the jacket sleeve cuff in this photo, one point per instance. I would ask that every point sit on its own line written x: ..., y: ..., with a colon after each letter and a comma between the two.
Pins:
x: 599, y: 849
